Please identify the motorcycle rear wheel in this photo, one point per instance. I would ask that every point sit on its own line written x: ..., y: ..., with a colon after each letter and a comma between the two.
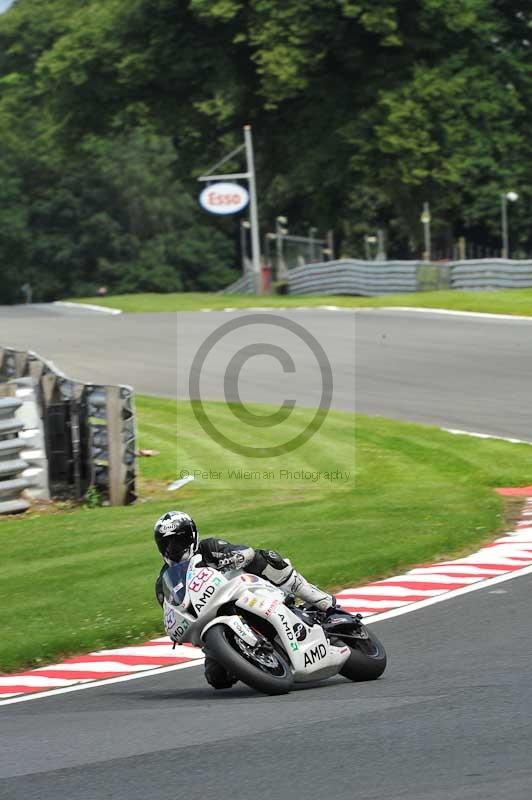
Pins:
x: 220, y: 644
x: 367, y: 659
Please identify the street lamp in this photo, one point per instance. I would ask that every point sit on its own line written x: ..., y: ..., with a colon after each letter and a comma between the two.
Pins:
x: 512, y: 197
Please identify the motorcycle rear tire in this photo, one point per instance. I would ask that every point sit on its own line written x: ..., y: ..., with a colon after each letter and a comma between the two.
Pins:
x: 219, y: 647
x: 367, y: 660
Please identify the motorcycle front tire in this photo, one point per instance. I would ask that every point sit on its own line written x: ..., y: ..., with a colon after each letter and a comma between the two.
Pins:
x: 218, y: 645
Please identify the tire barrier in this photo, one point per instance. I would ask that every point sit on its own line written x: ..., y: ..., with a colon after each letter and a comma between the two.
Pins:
x: 12, y: 465
x: 74, y: 436
x: 370, y: 278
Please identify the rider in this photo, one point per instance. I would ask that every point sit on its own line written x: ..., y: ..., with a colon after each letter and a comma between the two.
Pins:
x: 177, y: 539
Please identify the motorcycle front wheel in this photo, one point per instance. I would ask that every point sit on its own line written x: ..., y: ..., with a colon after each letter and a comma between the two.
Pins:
x: 367, y: 659
x: 269, y: 673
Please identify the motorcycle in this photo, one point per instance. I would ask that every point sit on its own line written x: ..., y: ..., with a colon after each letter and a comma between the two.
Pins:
x: 259, y: 634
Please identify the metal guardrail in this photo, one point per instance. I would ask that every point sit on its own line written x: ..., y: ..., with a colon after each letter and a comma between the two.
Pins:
x: 369, y: 278
x: 244, y: 285
x: 88, y: 432
x: 491, y: 274
x: 353, y: 277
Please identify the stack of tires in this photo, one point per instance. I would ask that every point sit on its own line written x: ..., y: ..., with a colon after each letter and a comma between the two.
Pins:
x: 12, y: 484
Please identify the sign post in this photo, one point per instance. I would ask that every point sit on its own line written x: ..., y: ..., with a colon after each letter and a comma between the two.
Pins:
x: 228, y: 198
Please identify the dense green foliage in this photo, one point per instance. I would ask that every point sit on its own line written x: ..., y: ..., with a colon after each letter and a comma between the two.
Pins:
x: 414, y: 494
x: 362, y: 110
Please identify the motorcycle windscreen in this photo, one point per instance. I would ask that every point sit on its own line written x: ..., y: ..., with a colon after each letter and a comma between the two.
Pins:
x: 175, y: 583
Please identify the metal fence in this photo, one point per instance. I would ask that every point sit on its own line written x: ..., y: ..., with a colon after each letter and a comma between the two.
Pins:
x: 369, y: 278
x: 75, y: 435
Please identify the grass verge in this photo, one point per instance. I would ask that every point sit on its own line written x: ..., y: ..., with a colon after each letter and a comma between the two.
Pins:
x: 81, y: 580
x: 505, y: 301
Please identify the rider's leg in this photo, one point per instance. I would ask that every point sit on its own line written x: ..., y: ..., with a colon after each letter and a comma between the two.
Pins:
x: 280, y: 572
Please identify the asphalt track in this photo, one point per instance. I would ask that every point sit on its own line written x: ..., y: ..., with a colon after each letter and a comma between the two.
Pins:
x: 459, y: 372
x: 450, y: 719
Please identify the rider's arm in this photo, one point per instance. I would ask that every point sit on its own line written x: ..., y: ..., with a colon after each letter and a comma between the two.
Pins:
x: 219, y: 553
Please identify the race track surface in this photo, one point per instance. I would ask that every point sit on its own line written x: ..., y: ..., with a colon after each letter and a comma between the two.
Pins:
x: 449, y: 720
x: 459, y: 372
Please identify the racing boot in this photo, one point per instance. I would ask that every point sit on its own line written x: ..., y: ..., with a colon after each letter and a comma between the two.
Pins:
x: 281, y: 573
x: 216, y: 675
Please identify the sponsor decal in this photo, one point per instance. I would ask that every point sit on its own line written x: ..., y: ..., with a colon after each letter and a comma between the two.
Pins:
x: 250, y: 578
x: 241, y: 628
x: 169, y: 619
x: 294, y: 646
x: 252, y: 602
x: 175, y: 629
x: 205, y: 597
x: 169, y: 526
x: 271, y: 608
x: 300, y: 631
x: 200, y: 579
x: 286, y: 626
x: 317, y: 653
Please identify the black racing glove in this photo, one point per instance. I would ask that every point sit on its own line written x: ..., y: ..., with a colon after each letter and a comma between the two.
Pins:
x: 234, y: 561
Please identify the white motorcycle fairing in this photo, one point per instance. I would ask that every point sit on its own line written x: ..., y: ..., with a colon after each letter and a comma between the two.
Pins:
x: 192, y: 606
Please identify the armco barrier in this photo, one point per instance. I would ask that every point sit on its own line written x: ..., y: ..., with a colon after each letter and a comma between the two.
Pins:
x: 369, y: 278
x: 491, y: 274
x: 244, y: 285
x: 354, y: 277
x: 75, y: 435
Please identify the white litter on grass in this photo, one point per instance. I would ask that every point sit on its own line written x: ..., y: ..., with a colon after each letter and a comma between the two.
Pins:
x: 181, y: 482
x: 485, y: 436
x: 453, y: 313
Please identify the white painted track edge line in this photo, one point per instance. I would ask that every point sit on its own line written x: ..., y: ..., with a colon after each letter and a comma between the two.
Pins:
x: 369, y: 618
x: 90, y: 306
x: 105, y: 682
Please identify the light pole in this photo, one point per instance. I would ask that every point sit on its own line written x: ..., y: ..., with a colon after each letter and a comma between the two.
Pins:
x: 512, y: 197
x: 280, y: 231
x: 244, y: 228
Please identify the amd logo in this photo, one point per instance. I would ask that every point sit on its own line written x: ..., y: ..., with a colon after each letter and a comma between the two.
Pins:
x: 287, y: 628
x: 209, y: 591
x: 316, y: 654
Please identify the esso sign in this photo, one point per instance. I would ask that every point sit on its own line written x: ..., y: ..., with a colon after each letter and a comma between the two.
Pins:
x: 224, y: 198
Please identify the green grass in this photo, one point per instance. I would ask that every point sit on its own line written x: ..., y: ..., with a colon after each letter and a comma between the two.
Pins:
x: 82, y: 580
x: 505, y: 301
